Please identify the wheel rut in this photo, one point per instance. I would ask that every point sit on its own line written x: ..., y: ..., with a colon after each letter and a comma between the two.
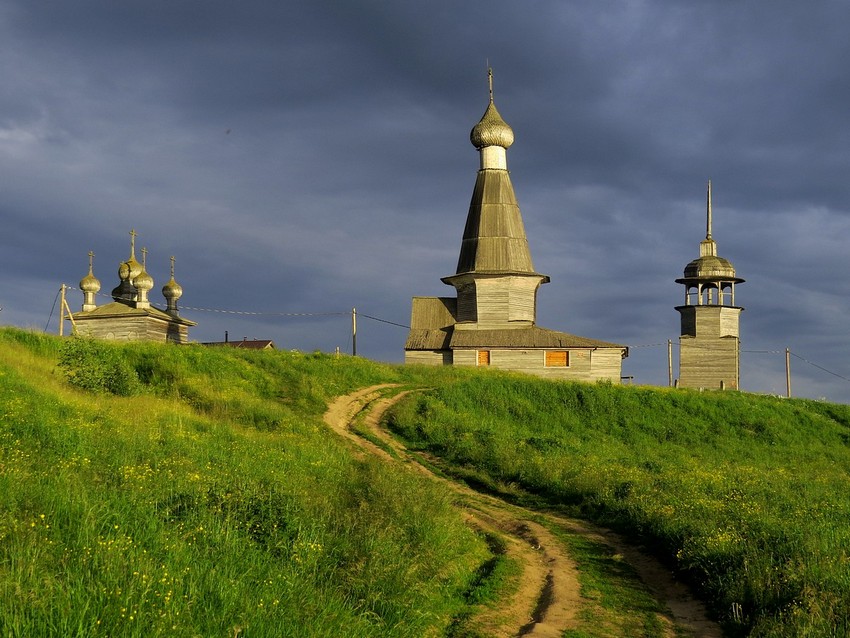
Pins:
x: 548, y: 599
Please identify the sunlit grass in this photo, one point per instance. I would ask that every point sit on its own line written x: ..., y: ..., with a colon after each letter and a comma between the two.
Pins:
x: 212, y: 499
x: 746, y: 495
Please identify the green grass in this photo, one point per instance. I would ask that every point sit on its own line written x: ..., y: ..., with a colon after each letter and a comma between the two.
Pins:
x: 202, y: 495
x: 212, y: 501
x: 746, y: 496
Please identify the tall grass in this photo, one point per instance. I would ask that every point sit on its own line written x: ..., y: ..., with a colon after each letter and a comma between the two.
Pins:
x: 748, y: 496
x: 212, y: 502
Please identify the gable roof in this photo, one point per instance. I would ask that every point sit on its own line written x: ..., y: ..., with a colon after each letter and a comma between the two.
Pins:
x: 117, y: 309
x: 528, y: 337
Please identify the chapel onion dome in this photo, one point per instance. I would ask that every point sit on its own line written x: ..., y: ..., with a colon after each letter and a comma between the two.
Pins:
x: 710, y: 267
x: 172, y: 290
x: 130, y: 270
x: 491, y: 130
x: 143, y: 281
x: 90, y: 283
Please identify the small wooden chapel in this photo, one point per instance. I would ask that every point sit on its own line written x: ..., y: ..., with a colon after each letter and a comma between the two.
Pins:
x: 130, y: 315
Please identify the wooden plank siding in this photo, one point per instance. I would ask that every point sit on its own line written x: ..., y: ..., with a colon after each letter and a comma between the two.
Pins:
x: 120, y: 322
x: 709, y: 347
x: 584, y: 364
x: 139, y: 328
x: 507, y: 298
x: 428, y: 357
x: 708, y: 363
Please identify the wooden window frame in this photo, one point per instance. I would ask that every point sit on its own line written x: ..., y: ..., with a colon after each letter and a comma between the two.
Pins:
x: 482, y: 357
x: 556, y: 358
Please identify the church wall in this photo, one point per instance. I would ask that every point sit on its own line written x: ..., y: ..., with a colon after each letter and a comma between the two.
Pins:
x: 428, y: 357
x: 729, y: 320
x: 115, y: 329
x: 710, y: 321
x: 523, y: 293
x: 507, y: 298
x: 704, y: 363
x: 466, y: 303
x: 129, y: 328
x: 584, y: 364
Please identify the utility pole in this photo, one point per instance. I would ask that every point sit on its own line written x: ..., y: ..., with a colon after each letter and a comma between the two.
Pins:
x: 354, y: 332
x: 63, y: 308
x: 670, y: 362
x: 788, y: 371
x: 62, y: 312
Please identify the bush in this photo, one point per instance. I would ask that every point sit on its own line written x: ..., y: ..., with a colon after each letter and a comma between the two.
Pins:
x: 97, y: 367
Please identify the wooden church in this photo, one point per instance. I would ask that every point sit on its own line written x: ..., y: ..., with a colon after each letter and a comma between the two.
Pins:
x: 492, y: 320
x: 710, y: 341
x: 130, y: 315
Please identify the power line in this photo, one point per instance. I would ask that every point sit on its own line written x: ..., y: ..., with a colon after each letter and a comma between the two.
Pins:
x: 392, y: 323
x: 254, y: 313
x: 811, y: 363
x: 52, y: 308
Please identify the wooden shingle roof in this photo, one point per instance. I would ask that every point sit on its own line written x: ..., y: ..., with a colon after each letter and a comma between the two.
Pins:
x: 494, y: 239
x: 530, y: 337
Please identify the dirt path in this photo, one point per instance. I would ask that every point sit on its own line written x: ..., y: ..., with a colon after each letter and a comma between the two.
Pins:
x: 548, y: 598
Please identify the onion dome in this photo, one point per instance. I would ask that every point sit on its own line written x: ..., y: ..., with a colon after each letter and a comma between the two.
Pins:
x: 172, y: 290
x: 90, y: 283
x: 491, y: 130
x: 131, y: 270
x: 143, y: 282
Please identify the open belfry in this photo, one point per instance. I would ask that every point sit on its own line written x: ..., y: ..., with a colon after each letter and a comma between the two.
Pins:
x: 130, y: 315
x: 492, y: 321
x: 709, y: 345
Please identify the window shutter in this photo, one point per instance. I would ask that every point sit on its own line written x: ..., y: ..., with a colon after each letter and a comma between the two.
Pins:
x: 557, y: 358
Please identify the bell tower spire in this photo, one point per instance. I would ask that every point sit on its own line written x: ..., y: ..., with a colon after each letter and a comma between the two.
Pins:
x: 710, y: 334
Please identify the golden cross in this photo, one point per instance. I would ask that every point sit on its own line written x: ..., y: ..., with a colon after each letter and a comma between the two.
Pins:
x: 490, y: 81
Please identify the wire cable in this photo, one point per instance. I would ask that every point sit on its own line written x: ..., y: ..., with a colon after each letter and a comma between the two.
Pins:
x: 58, y: 292
x: 811, y: 363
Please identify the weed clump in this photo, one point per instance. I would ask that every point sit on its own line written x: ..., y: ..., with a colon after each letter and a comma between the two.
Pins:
x: 97, y: 367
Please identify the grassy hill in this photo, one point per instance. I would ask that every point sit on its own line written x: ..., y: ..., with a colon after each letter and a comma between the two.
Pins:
x: 149, y: 490
x: 208, y: 501
x: 747, y: 496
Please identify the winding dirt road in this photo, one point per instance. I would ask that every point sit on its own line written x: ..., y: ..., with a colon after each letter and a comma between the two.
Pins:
x: 548, y: 599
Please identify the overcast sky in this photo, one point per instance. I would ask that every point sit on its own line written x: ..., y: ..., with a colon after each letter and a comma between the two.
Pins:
x: 312, y: 157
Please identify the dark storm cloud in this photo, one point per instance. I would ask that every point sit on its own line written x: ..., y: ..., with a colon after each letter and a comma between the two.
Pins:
x: 314, y: 157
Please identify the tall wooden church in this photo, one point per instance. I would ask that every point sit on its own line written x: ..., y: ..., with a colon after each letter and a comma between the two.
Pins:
x: 492, y: 320
x: 709, y: 345
x: 130, y: 315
